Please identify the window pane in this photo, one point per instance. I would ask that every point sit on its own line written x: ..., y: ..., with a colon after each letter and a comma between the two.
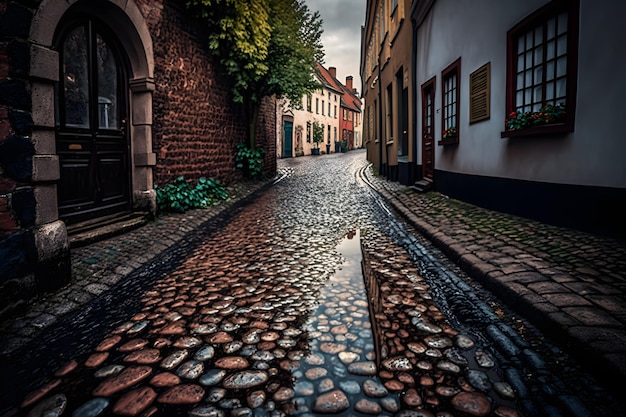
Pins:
x: 76, y: 79
x: 538, y: 94
x: 528, y: 78
x: 551, y: 29
x: 536, y: 107
x: 519, y: 99
x: 107, y: 86
x: 560, y: 88
x: 539, y: 55
x: 528, y: 96
x: 562, y: 25
x: 550, y: 50
x: 529, y: 60
x: 538, y: 36
x: 550, y: 71
x: 520, y: 63
x: 561, y: 66
x: 538, y: 75
x: 529, y: 40
x: 520, y: 80
x: 561, y: 48
x: 520, y: 44
x: 549, y: 91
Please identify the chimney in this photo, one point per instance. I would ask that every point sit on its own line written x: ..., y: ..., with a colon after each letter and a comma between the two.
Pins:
x: 333, y: 71
x: 349, y: 82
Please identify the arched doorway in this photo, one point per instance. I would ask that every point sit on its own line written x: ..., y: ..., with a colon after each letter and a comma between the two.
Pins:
x: 91, y: 121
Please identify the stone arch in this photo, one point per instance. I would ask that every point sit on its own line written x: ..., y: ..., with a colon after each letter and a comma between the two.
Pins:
x: 126, y: 20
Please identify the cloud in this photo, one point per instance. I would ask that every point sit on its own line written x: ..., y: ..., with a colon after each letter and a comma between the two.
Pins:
x: 342, y: 35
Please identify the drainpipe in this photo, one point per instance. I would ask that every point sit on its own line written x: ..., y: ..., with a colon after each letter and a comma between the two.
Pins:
x: 414, y: 93
x: 380, y: 120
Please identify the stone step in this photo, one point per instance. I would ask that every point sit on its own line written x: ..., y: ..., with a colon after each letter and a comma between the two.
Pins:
x: 84, y: 233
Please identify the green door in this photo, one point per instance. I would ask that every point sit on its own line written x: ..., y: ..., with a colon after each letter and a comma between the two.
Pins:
x: 288, y: 139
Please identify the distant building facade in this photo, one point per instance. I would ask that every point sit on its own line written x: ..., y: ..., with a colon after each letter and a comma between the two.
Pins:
x: 326, y: 106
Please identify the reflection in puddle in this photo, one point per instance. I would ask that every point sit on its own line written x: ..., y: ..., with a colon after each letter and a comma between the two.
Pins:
x: 339, y: 374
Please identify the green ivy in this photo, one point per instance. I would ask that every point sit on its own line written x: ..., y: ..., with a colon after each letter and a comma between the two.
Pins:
x: 250, y: 161
x: 180, y: 196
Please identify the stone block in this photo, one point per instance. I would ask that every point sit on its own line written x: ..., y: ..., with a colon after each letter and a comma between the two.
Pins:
x: 51, y: 240
x: 47, y: 206
x: 44, y: 63
x: 43, y: 104
x: 44, y: 142
x: 46, y: 168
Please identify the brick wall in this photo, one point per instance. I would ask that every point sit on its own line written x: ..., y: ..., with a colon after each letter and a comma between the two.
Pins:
x: 195, y: 123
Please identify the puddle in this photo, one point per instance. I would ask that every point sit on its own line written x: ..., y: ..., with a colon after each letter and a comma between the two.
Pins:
x: 339, y: 376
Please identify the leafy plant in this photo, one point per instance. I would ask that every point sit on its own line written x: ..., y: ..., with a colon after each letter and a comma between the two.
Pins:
x: 250, y: 160
x: 318, y: 133
x: 179, y: 196
x: 546, y: 115
x: 449, y: 133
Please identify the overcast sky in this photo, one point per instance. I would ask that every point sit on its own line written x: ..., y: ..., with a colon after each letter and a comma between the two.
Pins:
x: 342, y: 35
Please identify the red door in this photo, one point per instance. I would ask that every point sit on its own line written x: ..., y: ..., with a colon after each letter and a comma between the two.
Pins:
x: 428, y: 129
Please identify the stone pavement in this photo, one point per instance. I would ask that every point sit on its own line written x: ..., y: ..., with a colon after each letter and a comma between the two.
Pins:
x: 99, y: 266
x: 569, y: 283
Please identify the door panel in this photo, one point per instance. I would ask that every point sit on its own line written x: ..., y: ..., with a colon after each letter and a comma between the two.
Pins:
x: 92, y: 106
x: 428, y: 126
x: 288, y: 141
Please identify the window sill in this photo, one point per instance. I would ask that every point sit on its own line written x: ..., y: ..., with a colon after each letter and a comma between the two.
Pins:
x: 449, y: 141
x: 551, y: 129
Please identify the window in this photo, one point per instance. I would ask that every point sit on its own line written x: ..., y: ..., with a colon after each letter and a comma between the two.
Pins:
x: 328, y: 134
x: 329, y: 109
x: 308, y: 103
x: 308, y: 132
x: 317, y: 105
x: 335, y: 133
x: 394, y: 5
x: 541, y: 70
x: 450, y: 103
x: 329, y: 96
x: 322, y: 107
x: 345, y: 114
x: 335, y: 110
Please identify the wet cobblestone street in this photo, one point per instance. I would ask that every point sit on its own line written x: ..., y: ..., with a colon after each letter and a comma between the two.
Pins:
x: 309, y: 299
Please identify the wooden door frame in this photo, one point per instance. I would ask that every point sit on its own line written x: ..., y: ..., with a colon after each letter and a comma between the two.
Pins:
x: 430, y: 88
x: 95, y: 25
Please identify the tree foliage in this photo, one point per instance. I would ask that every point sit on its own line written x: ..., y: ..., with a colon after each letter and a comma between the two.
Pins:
x: 266, y: 47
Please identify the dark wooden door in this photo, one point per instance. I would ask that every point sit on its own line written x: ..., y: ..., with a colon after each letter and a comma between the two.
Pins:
x: 428, y: 130
x: 91, y: 116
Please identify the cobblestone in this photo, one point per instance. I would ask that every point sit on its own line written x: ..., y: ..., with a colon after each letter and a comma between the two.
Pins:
x: 263, y: 312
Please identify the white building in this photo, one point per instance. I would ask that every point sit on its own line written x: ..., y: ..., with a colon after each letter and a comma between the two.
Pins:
x: 485, y: 68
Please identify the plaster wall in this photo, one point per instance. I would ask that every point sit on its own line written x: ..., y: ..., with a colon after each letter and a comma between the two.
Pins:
x: 476, y: 32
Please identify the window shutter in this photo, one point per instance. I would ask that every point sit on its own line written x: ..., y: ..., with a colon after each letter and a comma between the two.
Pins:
x: 480, y: 93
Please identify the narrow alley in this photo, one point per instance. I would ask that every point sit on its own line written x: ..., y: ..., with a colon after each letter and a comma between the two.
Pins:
x: 309, y: 298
